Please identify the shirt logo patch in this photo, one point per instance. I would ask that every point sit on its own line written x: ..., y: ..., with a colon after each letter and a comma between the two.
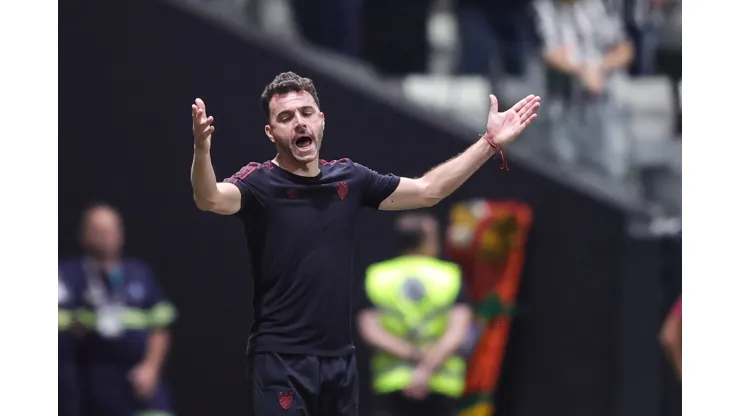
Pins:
x: 413, y: 289
x: 342, y: 189
x: 285, y: 399
x: 292, y: 193
x: 137, y: 292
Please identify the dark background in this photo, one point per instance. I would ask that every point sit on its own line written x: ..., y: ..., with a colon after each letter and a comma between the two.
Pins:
x: 592, y: 296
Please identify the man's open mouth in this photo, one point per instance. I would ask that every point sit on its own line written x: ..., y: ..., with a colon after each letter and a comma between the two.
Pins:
x: 303, y: 142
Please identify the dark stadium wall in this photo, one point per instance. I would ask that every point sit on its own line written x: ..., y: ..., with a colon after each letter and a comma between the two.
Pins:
x: 128, y: 73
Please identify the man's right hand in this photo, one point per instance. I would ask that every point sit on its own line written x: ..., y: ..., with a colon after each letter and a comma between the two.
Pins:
x: 202, y: 128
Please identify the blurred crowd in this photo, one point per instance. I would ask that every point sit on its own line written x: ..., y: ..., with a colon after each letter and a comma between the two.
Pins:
x: 586, y: 49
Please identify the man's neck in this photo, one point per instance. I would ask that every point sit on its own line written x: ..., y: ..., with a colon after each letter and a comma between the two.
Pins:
x: 105, y: 262
x: 310, y: 169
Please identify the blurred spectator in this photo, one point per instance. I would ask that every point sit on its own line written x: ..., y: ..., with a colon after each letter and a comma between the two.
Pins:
x: 585, y: 49
x: 670, y: 336
x: 669, y: 53
x: 126, y: 317
x: 394, y: 35
x: 494, y: 31
x: 330, y: 24
x: 415, y: 314
x: 641, y: 26
x: 68, y: 376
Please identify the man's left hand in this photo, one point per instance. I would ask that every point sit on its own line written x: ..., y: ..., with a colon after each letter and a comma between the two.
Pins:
x: 144, y: 378
x: 503, y: 128
x: 418, y: 389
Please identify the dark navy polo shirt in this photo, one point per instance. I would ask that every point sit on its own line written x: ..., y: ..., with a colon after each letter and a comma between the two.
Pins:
x: 301, y: 235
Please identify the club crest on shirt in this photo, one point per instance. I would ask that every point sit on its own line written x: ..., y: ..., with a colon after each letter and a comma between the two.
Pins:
x: 342, y: 189
x: 413, y: 289
x: 285, y: 399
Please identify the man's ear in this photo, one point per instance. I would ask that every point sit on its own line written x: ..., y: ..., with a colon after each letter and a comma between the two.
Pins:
x: 268, y: 133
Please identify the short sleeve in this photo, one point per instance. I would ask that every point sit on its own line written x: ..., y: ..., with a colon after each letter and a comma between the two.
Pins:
x: 161, y: 311
x: 244, y: 180
x: 376, y: 187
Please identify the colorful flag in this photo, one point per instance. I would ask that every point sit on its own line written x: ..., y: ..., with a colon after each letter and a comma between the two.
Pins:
x: 487, y: 239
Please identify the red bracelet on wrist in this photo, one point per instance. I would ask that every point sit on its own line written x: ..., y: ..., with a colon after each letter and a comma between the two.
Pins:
x: 504, y: 163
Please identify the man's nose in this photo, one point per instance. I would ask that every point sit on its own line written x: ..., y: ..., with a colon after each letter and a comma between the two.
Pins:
x: 300, y: 124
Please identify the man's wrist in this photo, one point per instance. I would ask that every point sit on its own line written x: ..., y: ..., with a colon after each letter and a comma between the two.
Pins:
x: 492, y: 144
x: 201, y: 150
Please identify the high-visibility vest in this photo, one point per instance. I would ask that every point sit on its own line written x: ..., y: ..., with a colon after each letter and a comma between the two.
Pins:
x: 413, y: 296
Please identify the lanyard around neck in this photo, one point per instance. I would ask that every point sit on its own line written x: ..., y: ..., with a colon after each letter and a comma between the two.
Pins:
x: 100, y: 295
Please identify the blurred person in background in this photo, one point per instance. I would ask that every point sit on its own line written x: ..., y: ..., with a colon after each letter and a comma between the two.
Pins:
x: 669, y: 54
x: 497, y: 32
x: 585, y: 49
x: 414, y: 312
x: 69, y: 302
x: 394, y: 36
x: 670, y: 336
x: 126, y: 316
x: 640, y: 22
x: 330, y: 24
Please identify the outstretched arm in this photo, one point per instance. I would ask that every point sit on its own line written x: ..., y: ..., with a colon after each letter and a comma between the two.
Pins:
x: 208, y: 193
x: 443, y: 180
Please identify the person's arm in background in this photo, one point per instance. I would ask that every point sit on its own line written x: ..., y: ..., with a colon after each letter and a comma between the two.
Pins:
x: 554, y: 53
x: 374, y: 335
x: 145, y: 375
x: 209, y: 194
x: 460, y: 319
x: 441, y: 181
x: 623, y: 52
x: 670, y: 336
x: 377, y: 337
x: 619, y: 57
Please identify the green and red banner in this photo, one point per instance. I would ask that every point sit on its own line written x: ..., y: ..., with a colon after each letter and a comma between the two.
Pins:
x: 487, y: 239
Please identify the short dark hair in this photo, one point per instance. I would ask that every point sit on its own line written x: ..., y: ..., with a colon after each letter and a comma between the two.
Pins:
x: 283, y: 84
x: 409, y: 240
x: 412, y: 231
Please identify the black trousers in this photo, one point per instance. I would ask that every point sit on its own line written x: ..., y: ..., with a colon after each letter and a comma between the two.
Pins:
x: 289, y: 384
x: 397, y: 404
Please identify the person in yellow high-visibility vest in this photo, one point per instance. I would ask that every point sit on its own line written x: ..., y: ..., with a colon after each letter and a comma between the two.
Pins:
x: 414, y: 313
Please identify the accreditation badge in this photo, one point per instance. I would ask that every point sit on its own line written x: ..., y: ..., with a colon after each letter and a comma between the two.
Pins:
x: 110, y: 321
